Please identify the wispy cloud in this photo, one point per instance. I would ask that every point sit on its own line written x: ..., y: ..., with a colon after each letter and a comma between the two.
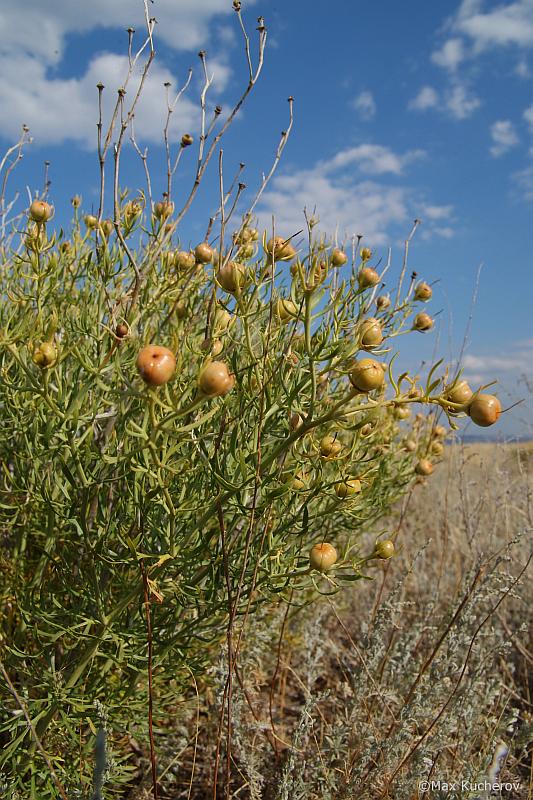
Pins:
x: 449, y: 55
x: 352, y: 192
x: 457, y: 101
x: 427, y: 97
x: 365, y: 104
x: 504, y: 137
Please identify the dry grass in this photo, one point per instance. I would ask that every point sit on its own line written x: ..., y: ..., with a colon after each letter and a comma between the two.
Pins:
x: 367, y: 693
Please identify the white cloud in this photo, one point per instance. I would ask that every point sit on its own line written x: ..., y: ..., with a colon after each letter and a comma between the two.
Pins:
x: 457, y: 101
x: 523, y: 180
x: 450, y: 54
x: 507, y: 24
x: 32, y: 43
x: 504, y: 137
x: 461, y: 103
x: 343, y: 197
x: 365, y: 104
x: 372, y: 159
x: 57, y: 110
x: 528, y: 116
x: 31, y: 28
x: 426, y: 98
x: 498, y: 363
x: 437, y: 212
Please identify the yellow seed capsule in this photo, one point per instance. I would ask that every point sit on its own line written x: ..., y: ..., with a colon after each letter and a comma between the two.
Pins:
x: 366, y: 254
x: 203, y: 253
x: 402, y: 412
x: 215, y: 379
x: 439, y: 432
x: 367, y: 374
x: 371, y: 333
x: 286, y: 310
x: 163, y: 209
x: 322, y: 557
x: 330, y: 447
x: 91, y: 222
x: 422, y: 322
x: 45, y: 355
x: 384, y: 549
x: 460, y: 392
x: 184, y: 260
x: 348, y: 488
x: 423, y: 292
x: 40, y: 211
x: 367, y: 277
x: 231, y: 276
x: 338, y: 257
x: 437, y: 448
x: 383, y: 302
x: 280, y: 249
x: 424, y: 467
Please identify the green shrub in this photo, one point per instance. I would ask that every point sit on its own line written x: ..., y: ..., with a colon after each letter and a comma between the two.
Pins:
x: 144, y: 520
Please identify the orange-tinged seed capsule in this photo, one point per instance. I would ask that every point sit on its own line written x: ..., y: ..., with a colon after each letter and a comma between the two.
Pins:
x: 484, y: 410
x: 203, y: 253
x: 338, y: 257
x: 215, y: 379
x: 367, y: 277
x: 424, y: 467
x: 322, y: 557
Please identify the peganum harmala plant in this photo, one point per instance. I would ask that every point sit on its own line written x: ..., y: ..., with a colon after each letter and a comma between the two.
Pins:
x: 186, y: 434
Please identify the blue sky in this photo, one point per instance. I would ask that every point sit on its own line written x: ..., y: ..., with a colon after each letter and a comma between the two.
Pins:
x: 402, y: 110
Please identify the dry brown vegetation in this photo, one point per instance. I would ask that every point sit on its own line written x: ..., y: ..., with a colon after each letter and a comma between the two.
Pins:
x: 425, y: 673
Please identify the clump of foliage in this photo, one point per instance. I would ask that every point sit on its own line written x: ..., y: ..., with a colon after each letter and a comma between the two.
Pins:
x: 181, y: 427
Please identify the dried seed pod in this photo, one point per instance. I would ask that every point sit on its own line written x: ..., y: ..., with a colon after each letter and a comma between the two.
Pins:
x: 295, y: 420
x: 91, y: 222
x: 107, y: 227
x: 423, y: 322
x: 423, y: 292
x: 280, y: 249
x: 437, y: 448
x: 371, y: 333
x: 367, y: 278
x: 286, y: 310
x: 163, y: 209
x: 184, y: 260
x: 366, y: 254
x: 330, y: 447
x: 186, y: 140
x: 439, y: 431
x: 203, y: 253
x: 382, y: 302
x: 215, y: 379
x: 367, y: 374
x: 410, y: 445
x: 348, y: 488
x: 322, y: 557
x: 45, y: 355
x: 402, y: 412
x: 384, y: 549
x: 459, y: 392
x: 338, y: 257
x: 424, y: 467
x: 484, y: 410
x: 40, y: 211
x: 231, y: 276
